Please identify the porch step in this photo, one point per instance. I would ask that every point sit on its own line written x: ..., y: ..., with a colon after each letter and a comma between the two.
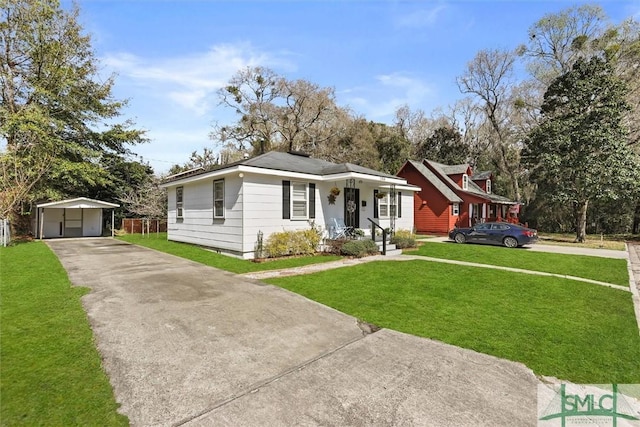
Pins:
x: 393, y: 252
x: 391, y: 249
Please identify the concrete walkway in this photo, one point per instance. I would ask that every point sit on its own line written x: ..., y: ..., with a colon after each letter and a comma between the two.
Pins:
x: 634, y: 276
x: 187, y: 344
x: 556, y: 249
x: 349, y: 262
x: 632, y: 255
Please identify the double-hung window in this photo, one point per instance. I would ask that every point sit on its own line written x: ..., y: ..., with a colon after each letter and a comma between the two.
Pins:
x: 465, y: 182
x: 179, y: 202
x: 489, y: 186
x: 455, y: 209
x: 299, y: 200
x: 383, y: 206
x: 218, y: 198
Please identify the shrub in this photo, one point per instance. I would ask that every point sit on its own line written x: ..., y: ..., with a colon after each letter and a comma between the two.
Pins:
x: 404, y: 239
x: 359, y: 248
x: 301, y: 242
x: 335, y: 246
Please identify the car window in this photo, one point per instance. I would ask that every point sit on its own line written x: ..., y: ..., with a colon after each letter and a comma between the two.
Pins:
x: 499, y: 227
x: 483, y: 226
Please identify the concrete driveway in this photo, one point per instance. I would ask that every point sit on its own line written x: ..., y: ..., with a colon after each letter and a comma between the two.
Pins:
x: 186, y: 344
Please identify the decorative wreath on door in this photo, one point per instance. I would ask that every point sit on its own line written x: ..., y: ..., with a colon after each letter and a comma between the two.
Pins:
x: 351, y: 206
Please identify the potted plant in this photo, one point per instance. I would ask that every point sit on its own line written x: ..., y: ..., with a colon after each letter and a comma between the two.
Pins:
x: 333, y: 193
x: 381, y: 195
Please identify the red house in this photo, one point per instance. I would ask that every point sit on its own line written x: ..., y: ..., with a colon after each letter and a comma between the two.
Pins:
x: 453, y: 196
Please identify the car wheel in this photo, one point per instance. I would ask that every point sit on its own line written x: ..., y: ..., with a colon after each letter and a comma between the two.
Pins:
x: 510, y: 242
x: 459, y: 238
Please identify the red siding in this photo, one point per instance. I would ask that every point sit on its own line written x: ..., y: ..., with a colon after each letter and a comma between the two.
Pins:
x: 482, y: 183
x: 434, y: 216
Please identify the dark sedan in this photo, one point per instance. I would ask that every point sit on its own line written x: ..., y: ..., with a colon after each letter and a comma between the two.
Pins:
x: 495, y: 233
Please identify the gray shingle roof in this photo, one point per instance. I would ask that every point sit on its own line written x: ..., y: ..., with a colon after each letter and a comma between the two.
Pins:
x: 304, y: 164
x: 451, y: 169
x: 436, y: 182
x: 473, y: 188
x: 478, y: 176
x: 276, y: 160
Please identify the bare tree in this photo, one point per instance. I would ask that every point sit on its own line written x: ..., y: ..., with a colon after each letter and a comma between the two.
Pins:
x: 489, y: 77
x: 557, y: 40
x: 276, y: 113
x: 147, y: 201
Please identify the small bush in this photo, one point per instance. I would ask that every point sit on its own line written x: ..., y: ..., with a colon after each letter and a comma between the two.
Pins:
x: 301, y: 242
x: 335, y: 246
x: 359, y: 248
x: 404, y: 239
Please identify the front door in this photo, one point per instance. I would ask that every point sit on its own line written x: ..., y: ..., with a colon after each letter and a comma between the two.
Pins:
x: 352, y: 207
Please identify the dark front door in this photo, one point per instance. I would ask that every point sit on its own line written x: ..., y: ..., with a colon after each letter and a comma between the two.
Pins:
x: 352, y: 207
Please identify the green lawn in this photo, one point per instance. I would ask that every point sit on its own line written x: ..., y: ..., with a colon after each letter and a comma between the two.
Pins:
x: 596, y: 268
x: 572, y: 330
x: 51, y: 373
x: 223, y: 262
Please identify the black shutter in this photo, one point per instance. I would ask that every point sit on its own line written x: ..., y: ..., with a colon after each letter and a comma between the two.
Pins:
x: 312, y: 201
x: 286, y: 199
x: 375, y: 203
x: 399, y: 204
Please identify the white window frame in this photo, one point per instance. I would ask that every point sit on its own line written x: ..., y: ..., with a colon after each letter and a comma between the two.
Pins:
x: 298, y: 200
x: 218, y: 198
x: 455, y: 209
x: 465, y: 181
x: 180, y: 202
x: 384, y: 201
x: 488, y: 186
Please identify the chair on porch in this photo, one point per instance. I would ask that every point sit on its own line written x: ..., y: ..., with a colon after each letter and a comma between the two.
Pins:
x: 338, y: 229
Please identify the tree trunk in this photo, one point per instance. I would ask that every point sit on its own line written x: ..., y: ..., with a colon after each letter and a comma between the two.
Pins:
x: 636, y: 219
x: 581, y: 222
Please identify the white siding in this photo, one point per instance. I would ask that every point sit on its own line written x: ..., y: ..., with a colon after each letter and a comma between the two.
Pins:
x: 263, y: 210
x: 53, y: 222
x: 197, y: 224
x: 253, y: 204
x: 92, y: 222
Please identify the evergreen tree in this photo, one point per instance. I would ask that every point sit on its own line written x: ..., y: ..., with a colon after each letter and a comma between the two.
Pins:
x: 58, y: 117
x: 579, y: 152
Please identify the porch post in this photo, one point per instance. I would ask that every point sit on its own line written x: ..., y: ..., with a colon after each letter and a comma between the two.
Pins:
x: 41, y: 221
x: 470, y: 214
x: 113, y: 224
x: 484, y: 212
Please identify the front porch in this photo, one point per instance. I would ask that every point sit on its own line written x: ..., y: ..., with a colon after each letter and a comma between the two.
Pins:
x: 477, y: 213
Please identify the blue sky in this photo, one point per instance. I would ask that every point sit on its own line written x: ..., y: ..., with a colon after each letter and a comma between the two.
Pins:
x: 171, y: 56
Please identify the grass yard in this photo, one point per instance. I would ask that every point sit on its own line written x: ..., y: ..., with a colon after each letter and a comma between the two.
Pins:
x: 594, y: 241
x: 51, y: 373
x: 194, y: 253
x: 596, y: 268
x: 571, y: 330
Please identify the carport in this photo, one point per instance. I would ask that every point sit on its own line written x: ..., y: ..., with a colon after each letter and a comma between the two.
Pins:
x: 79, y: 217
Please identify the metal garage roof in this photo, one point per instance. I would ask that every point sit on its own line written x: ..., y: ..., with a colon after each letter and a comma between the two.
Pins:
x: 79, y: 203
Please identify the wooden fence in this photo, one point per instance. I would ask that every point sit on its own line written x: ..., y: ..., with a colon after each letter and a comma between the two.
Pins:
x: 144, y: 226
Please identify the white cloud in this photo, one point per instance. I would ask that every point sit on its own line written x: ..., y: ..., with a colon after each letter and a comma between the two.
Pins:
x: 420, y: 18
x: 380, y: 99
x: 189, y: 81
x: 174, y: 97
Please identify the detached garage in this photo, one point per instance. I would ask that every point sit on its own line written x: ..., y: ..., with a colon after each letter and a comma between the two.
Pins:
x: 81, y: 217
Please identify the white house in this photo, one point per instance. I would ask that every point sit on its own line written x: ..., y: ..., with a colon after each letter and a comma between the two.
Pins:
x: 226, y: 208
